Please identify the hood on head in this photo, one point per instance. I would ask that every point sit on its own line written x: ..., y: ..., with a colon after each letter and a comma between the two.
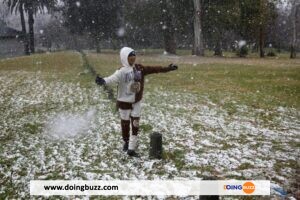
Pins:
x: 125, y: 51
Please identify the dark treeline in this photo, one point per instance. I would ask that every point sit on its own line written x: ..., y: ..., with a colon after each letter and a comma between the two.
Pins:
x: 262, y: 26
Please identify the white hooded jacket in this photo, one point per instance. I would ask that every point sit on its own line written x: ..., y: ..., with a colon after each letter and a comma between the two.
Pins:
x: 124, y: 77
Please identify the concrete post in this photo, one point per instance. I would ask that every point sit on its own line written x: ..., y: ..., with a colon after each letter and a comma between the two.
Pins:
x: 156, y: 149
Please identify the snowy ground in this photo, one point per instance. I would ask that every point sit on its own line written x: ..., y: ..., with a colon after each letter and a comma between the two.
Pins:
x: 38, y: 140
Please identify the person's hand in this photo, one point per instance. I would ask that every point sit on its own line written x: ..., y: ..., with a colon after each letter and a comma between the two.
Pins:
x: 99, y: 80
x: 172, y: 67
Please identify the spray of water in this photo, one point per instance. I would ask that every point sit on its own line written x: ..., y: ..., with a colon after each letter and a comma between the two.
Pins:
x: 68, y: 125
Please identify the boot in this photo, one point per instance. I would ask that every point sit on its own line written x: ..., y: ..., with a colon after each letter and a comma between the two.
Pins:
x: 125, y: 146
x: 132, y: 153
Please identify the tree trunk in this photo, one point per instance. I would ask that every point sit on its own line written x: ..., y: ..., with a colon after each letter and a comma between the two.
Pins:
x: 75, y: 43
x: 198, y: 40
x: 294, y: 29
x: 261, y: 42
x: 25, y: 36
x: 31, y: 30
x: 168, y: 28
x: 279, y: 47
x: 261, y: 30
x: 218, y: 47
x: 98, y: 45
x: 122, y: 24
x: 170, y: 44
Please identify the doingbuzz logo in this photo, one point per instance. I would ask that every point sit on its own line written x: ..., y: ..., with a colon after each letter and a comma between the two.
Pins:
x: 247, y: 187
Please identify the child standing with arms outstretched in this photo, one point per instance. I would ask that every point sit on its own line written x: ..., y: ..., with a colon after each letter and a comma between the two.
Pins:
x: 130, y: 79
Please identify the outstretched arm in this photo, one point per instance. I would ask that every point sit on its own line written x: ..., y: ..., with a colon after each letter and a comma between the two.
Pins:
x: 159, y: 69
x: 114, y: 78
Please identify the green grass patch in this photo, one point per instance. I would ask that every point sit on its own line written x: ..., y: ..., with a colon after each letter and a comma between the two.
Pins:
x: 177, y: 156
x: 259, y: 83
x: 227, y: 146
x: 32, y: 128
x: 197, y: 127
x: 146, y: 127
x: 59, y: 66
x: 63, y: 62
x: 245, y: 166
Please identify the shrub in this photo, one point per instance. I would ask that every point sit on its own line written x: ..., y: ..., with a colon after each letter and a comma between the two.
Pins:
x: 271, y: 53
x: 243, y: 51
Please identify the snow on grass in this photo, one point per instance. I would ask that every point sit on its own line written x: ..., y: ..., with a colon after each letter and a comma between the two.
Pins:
x: 200, y: 138
x: 67, y: 125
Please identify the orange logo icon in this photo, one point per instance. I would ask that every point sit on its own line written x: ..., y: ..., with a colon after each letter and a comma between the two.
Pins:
x: 248, y: 187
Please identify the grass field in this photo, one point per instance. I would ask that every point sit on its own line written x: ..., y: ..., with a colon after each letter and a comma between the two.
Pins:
x: 226, y: 117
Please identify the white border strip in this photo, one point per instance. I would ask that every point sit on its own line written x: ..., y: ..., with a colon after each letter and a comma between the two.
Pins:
x: 151, y: 187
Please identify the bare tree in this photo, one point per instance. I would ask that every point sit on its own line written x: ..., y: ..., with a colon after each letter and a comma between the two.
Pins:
x: 295, y: 19
x: 261, y: 30
x: 198, y: 40
x: 3, y: 11
x: 168, y: 26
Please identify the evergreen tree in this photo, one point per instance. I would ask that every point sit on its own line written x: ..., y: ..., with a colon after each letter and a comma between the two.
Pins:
x: 254, y: 18
x: 221, y: 16
x: 98, y: 18
x: 167, y: 16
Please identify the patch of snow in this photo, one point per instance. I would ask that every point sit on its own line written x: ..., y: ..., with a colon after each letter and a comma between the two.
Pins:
x: 67, y: 125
